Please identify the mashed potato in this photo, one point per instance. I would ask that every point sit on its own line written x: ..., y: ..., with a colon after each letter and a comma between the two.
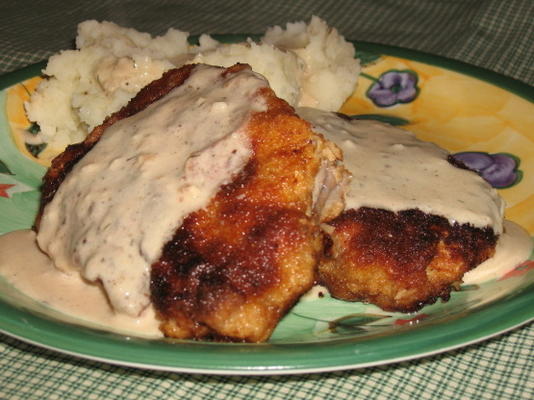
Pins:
x: 284, y: 70
x: 108, y: 68
x: 330, y: 69
x: 306, y: 64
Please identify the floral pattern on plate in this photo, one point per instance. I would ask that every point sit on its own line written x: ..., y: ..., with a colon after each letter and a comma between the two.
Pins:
x: 393, y: 87
x: 499, y: 170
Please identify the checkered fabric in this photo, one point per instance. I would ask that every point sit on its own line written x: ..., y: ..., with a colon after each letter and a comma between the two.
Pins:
x: 493, y: 34
x: 501, y: 368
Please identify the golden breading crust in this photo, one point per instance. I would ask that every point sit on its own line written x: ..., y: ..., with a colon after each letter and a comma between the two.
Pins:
x: 233, y: 269
x: 400, y: 261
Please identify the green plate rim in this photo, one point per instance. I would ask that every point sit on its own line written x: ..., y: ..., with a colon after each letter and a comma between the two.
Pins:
x: 409, y: 342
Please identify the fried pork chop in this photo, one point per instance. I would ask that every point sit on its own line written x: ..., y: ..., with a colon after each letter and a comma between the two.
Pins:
x: 400, y: 261
x: 232, y: 269
x: 401, y: 258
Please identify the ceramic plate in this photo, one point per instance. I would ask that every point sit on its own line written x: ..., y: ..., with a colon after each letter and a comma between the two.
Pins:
x: 462, y: 108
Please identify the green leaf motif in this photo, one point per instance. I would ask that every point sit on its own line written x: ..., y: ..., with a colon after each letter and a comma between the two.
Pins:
x: 353, y: 322
x: 4, y: 168
x: 366, y: 57
x: 35, y: 149
x: 34, y: 128
x: 388, y: 119
x: 465, y: 288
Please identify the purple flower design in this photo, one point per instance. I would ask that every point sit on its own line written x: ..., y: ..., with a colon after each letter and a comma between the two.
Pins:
x: 499, y: 170
x: 393, y: 87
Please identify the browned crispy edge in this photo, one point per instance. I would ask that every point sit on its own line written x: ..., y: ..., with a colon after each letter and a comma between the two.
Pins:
x: 385, y: 251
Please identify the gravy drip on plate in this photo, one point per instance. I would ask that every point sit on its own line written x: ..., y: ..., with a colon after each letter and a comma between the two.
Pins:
x: 514, y: 247
x: 393, y: 170
x: 121, y: 203
x: 31, y: 272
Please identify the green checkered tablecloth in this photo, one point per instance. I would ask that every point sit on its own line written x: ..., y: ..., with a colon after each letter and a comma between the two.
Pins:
x: 500, y: 368
x: 496, y: 35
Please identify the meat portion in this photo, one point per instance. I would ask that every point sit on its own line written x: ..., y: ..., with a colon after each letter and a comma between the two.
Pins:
x: 233, y: 268
x: 400, y: 261
x: 415, y: 220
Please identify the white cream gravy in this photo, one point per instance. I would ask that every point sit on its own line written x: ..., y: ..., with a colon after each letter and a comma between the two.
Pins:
x: 514, y: 246
x: 31, y: 272
x: 124, y: 199
x: 391, y: 169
